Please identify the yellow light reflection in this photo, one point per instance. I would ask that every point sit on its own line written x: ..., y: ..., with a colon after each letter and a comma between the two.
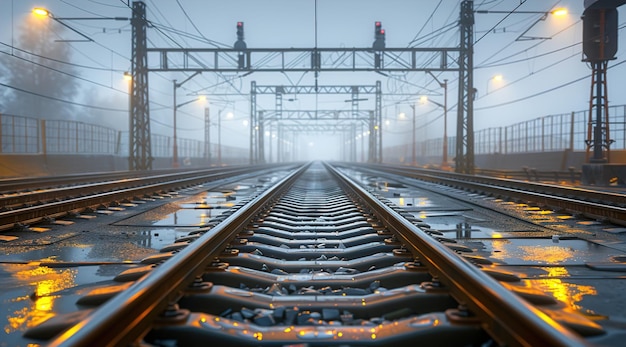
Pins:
x: 38, y: 306
x: 500, y: 249
x: 401, y: 202
x: 569, y: 293
x: 550, y: 254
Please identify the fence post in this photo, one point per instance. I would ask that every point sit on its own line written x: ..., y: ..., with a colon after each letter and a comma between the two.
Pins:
x: 118, y: 143
x: 543, y: 131
x: 571, y: 132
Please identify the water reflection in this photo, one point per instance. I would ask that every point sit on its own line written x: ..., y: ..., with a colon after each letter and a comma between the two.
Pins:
x: 552, y: 282
x: 29, y: 309
x: 569, y: 293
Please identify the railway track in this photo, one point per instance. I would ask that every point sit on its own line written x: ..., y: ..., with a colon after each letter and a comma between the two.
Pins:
x: 595, y: 204
x: 316, y: 259
x: 20, y: 209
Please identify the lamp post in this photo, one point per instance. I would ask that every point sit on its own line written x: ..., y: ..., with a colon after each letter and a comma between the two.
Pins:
x: 175, y: 145
x: 219, y: 126
x: 558, y: 12
x: 413, y: 158
x: 424, y: 99
x: 42, y: 12
x: 175, y: 163
x: 444, y: 85
x: 496, y: 78
x: 219, y: 137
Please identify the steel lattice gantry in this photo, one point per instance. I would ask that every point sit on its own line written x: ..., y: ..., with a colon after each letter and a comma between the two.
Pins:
x: 288, y: 124
x: 246, y: 61
x: 464, y: 159
x: 258, y: 119
x: 140, y: 153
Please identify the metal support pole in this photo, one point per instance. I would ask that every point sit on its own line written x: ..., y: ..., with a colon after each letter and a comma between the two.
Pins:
x: 372, y: 139
x: 413, y: 157
x: 260, y: 139
x: 444, y: 159
x: 207, y: 135
x: 140, y: 151
x: 219, y: 137
x: 465, y: 117
x: 175, y: 144
x: 253, y: 124
x: 379, y: 120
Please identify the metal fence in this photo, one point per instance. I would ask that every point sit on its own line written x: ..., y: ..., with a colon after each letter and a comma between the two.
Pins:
x: 67, y: 137
x: 19, y: 134
x: 27, y: 135
x: 546, y: 134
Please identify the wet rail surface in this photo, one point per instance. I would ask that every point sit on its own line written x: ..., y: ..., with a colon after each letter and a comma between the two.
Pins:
x: 592, y: 203
x: 20, y: 209
x: 316, y: 260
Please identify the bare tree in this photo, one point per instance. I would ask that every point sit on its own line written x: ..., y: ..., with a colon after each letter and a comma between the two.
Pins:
x: 38, y: 73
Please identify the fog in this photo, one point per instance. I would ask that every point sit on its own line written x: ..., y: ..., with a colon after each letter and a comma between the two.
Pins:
x: 46, y: 73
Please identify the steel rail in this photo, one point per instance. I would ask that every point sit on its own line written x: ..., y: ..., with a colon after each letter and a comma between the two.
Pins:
x: 12, y: 185
x: 586, y: 202
x: 616, y: 199
x: 129, y: 315
x: 102, y: 184
x: 26, y: 215
x: 510, y: 320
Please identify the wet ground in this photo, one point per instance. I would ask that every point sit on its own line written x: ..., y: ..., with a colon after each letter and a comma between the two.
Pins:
x: 577, y: 260
x: 44, y: 270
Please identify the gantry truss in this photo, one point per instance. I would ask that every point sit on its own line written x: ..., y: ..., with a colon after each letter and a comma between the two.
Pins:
x: 259, y: 118
x: 246, y: 61
x: 305, y: 59
x: 289, y: 124
x: 353, y: 134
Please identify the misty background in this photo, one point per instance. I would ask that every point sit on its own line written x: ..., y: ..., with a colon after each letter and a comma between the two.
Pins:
x: 45, y: 73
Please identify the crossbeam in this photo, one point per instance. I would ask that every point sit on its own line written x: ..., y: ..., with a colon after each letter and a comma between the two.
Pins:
x: 317, y: 115
x: 305, y: 59
x: 338, y: 89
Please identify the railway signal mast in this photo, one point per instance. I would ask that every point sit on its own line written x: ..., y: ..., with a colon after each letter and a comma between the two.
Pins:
x: 599, y: 46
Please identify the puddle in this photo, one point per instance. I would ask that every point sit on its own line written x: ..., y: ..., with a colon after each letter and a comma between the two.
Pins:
x: 466, y: 231
x: 536, y: 251
x: 200, y: 210
x: 159, y: 238
x: 188, y: 218
x: 554, y: 284
x: 32, y: 293
x: 412, y: 203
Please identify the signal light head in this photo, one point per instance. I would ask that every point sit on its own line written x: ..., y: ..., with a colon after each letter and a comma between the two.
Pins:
x: 239, y: 24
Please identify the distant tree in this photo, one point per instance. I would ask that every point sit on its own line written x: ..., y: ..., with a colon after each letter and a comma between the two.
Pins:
x: 37, y: 75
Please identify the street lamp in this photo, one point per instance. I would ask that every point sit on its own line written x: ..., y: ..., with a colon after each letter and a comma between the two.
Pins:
x: 444, y: 85
x: 413, y: 159
x: 176, y: 86
x: 43, y: 12
x: 557, y: 12
x: 496, y: 78
x: 229, y: 115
